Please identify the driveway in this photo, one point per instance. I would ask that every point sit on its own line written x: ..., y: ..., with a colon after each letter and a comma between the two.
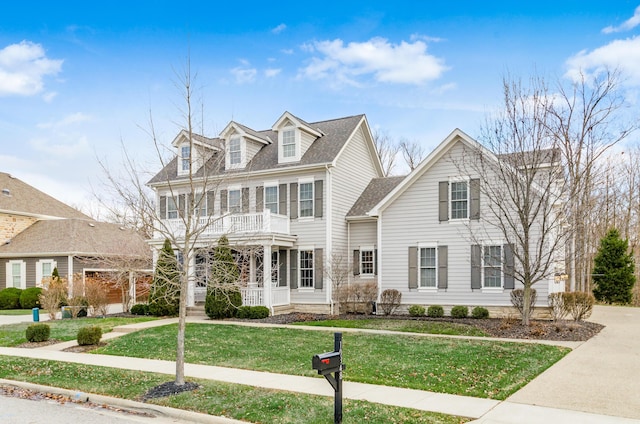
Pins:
x: 601, y: 376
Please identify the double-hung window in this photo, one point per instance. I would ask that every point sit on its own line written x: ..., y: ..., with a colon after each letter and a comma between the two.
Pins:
x: 289, y: 143
x: 271, y: 198
x: 172, y: 208
x: 492, y: 266
x: 306, y: 199
x: 459, y: 200
x: 200, y: 204
x: 185, y: 158
x: 306, y: 268
x: 427, y: 263
x: 44, y: 269
x: 235, y: 153
x: 16, y: 271
x: 367, y: 264
x: 235, y: 201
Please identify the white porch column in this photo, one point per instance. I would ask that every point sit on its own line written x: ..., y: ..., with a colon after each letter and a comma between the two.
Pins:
x: 191, y: 298
x: 266, y: 274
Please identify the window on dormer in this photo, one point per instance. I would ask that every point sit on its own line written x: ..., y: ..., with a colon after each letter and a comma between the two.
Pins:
x: 185, y: 153
x: 235, y: 153
x: 289, y: 143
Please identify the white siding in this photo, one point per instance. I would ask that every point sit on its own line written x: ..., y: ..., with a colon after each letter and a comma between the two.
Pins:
x: 413, y: 218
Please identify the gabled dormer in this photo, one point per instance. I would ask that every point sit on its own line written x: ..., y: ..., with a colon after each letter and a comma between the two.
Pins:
x: 241, y: 144
x: 192, y: 153
x: 294, y: 137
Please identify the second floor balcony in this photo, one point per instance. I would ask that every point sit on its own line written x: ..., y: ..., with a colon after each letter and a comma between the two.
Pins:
x: 257, y: 223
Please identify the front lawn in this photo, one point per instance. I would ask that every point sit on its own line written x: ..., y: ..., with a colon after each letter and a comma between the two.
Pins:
x: 15, y: 311
x: 482, y: 369
x: 407, y: 326
x: 63, y: 330
x: 215, y: 398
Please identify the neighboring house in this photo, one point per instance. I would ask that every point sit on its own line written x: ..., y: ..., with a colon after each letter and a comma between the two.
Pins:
x: 293, y: 197
x: 281, y: 197
x: 434, y: 236
x: 40, y: 233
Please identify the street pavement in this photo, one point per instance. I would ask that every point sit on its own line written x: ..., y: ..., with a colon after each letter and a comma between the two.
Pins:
x: 597, y: 383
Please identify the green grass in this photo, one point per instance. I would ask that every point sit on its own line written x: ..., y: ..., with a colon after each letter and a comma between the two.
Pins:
x: 63, y: 330
x: 15, y: 311
x: 484, y: 369
x: 404, y: 325
x: 215, y: 398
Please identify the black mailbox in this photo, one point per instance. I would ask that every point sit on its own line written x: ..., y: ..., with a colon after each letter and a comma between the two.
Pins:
x: 326, y: 363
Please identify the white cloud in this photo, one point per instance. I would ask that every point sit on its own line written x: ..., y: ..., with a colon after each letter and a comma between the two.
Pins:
x: 23, y: 67
x: 287, y: 51
x: 68, y: 120
x: 619, y: 54
x: 279, y: 29
x: 630, y: 23
x: 405, y: 63
x: 244, y: 75
x: 271, y: 72
x: 426, y: 38
x: 48, y: 97
x: 75, y: 146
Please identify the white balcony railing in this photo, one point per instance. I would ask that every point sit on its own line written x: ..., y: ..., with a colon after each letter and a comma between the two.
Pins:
x: 246, y: 223
x: 254, y: 296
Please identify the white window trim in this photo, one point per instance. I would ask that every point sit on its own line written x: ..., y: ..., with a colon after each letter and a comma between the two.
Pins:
x: 275, y: 269
x: 427, y: 246
x: 264, y: 197
x: 492, y: 289
x: 175, y: 201
x: 182, y: 171
x: 313, y: 267
x: 450, y: 198
x: 39, y: 264
x: 243, y: 153
x: 229, y: 190
x: 313, y: 198
x: 372, y: 249
x: 297, y: 138
x: 23, y: 274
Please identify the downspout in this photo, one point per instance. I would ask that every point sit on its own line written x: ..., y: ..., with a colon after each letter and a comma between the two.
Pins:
x: 329, y: 236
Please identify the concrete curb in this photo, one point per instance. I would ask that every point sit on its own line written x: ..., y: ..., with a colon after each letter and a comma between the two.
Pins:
x: 131, y: 405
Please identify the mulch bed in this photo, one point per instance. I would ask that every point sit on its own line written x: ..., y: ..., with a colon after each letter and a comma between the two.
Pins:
x: 169, y: 388
x: 507, y: 328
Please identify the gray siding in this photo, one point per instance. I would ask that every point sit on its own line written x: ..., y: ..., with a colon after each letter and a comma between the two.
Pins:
x: 413, y: 218
x: 30, y: 264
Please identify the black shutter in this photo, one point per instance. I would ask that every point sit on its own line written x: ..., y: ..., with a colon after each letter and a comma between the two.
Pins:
x: 318, y: 270
x: 163, y: 207
x: 282, y: 199
x: 375, y: 261
x: 259, y: 198
x: 476, y: 266
x: 223, y: 201
x: 293, y: 268
x: 293, y: 202
x: 211, y: 201
x: 508, y: 267
x: 245, y: 199
x: 443, y: 200
x: 356, y: 262
x: 413, y: 267
x: 282, y: 273
x: 318, y: 194
x: 474, y: 188
x: 442, y: 266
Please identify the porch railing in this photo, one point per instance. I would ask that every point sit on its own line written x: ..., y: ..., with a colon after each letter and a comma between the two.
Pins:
x: 217, y: 225
x: 254, y: 296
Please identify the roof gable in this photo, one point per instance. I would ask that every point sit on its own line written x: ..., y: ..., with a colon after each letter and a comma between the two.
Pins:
x: 288, y: 118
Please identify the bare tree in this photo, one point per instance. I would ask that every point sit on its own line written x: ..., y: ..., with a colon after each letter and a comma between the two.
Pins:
x: 521, y: 186
x: 387, y: 151
x: 338, y: 270
x: 412, y: 152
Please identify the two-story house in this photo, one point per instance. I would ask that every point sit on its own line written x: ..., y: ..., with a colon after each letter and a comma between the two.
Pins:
x: 280, y: 195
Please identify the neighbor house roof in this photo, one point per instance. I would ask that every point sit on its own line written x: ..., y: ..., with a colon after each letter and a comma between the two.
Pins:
x: 76, y: 237
x: 18, y: 197
x: 323, y: 150
x: 377, y: 189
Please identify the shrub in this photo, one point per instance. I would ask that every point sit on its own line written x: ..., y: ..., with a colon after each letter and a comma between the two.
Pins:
x: 517, y: 300
x: 53, y: 294
x: 30, y: 298
x: 259, y: 312
x: 89, y: 335
x: 10, y: 298
x: 140, y: 309
x: 79, y: 306
x: 459, y: 311
x: 556, y: 306
x: 38, y: 333
x: 416, y: 310
x: 578, y: 304
x: 244, y: 312
x: 222, y: 302
x: 435, y: 311
x: 479, y: 312
x: 357, y: 297
x: 164, y: 298
x: 390, y: 301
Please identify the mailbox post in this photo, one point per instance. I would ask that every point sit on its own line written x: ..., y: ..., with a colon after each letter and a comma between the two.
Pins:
x: 331, y: 362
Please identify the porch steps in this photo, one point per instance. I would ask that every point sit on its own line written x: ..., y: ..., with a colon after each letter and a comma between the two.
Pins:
x: 196, y: 311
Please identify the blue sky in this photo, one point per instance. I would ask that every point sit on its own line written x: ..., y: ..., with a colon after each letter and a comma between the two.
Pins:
x: 76, y: 81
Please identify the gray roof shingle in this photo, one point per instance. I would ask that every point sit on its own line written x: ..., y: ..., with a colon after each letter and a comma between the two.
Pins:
x: 377, y: 189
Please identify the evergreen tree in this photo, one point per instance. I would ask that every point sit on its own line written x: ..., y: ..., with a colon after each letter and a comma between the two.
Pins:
x: 164, y: 298
x: 223, y: 295
x: 613, y: 270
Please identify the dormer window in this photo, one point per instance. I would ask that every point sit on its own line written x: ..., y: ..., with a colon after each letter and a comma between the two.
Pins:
x: 289, y: 143
x: 185, y: 158
x: 235, y: 151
